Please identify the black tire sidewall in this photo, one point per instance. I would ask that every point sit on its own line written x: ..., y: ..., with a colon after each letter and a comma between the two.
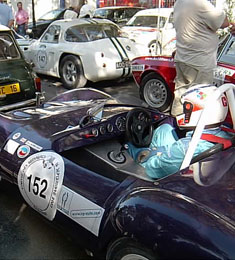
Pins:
x: 143, y: 83
x: 81, y: 80
x: 121, y: 248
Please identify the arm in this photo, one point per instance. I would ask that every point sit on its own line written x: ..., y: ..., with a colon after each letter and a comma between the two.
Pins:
x: 10, y: 23
x: 232, y: 28
x: 225, y: 23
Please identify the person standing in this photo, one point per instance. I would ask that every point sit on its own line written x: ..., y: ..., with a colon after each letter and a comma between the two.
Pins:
x: 196, y: 23
x: 6, y: 15
x: 22, y: 19
x: 71, y: 13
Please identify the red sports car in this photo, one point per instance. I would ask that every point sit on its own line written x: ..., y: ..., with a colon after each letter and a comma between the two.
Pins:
x: 155, y: 74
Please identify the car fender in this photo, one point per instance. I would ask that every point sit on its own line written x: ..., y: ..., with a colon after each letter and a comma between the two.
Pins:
x: 158, y: 218
x: 161, y: 65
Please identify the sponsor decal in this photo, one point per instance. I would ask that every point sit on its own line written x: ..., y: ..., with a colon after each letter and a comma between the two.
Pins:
x: 40, y: 180
x: 23, y: 140
x: 16, y: 136
x: 88, y: 213
x: 11, y: 146
x: 139, y: 67
x: 34, y: 146
x: 159, y: 58
x: 81, y: 210
x: 23, y: 151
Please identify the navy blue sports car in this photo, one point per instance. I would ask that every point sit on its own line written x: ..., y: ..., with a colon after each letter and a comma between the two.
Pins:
x: 68, y: 157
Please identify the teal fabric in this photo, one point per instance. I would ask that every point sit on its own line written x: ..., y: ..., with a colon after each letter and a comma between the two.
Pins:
x: 170, y: 150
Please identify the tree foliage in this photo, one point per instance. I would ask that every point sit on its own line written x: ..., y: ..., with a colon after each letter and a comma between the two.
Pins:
x: 230, y: 9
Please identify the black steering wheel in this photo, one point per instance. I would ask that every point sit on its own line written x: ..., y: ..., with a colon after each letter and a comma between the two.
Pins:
x: 139, y: 127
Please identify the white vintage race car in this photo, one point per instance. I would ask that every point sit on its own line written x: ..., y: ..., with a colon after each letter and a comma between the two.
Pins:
x: 83, y: 49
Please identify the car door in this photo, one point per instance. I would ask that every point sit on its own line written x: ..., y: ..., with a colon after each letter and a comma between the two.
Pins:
x: 46, y: 51
x: 168, y: 32
x: 90, y: 187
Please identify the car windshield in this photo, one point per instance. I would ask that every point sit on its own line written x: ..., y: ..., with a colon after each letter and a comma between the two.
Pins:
x: 91, y: 32
x: 147, y: 21
x: 50, y: 15
x: 227, y: 56
x: 8, y: 49
x: 104, y: 13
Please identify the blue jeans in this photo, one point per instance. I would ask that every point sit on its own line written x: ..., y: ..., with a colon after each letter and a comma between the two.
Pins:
x: 21, y: 30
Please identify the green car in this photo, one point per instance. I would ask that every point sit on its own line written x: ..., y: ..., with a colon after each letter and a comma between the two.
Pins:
x: 18, y: 83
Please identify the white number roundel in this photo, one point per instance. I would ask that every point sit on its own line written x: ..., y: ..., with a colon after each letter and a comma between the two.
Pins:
x: 40, y: 179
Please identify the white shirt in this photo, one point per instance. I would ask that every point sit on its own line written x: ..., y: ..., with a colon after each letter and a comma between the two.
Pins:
x: 70, y: 14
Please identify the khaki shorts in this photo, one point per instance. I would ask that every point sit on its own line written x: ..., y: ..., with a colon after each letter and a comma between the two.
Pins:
x: 187, y: 76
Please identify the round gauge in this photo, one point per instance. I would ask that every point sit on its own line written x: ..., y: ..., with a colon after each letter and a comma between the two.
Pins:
x: 95, y: 132
x: 121, y: 123
x: 110, y: 128
x: 102, y: 129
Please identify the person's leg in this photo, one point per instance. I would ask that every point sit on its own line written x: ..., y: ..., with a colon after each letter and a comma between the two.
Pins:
x: 21, y: 30
x: 204, y: 77
x: 164, y: 135
x: 185, y: 76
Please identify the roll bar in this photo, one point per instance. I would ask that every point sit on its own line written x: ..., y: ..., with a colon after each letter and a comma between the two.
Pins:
x: 229, y: 90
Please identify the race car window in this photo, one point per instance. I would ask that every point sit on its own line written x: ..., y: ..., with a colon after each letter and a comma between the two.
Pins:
x: 112, y: 31
x: 94, y: 32
x: 91, y: 33
x: 52, y: 34
x: 76, y: 34
x: 148, y: 21
x: 228, y: 55
x: 8, y: 49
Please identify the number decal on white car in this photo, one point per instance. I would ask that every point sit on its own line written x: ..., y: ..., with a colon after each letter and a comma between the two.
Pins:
x: 40, y: 180
x: 42, y: 58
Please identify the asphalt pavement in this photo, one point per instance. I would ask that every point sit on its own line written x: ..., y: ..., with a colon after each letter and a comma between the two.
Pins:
x: 24, y: 234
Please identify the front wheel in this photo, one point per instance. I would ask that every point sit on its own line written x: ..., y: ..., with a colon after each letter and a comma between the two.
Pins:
x: 155, y: 48
x: 71, y: 72
x: 129, y: 250
x: 155, y: 92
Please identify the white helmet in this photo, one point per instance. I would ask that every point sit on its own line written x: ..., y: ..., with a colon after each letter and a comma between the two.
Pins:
x: 87, y: 11
x: 194, y: 100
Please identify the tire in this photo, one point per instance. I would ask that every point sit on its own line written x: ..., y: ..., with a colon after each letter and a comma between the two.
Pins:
x: 71, y: 72
x: 153, y: 46
x: 155, y: 92
x: 123, y: 249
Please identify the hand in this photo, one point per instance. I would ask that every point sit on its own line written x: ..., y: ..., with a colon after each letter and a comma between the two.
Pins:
x: 232, y: 28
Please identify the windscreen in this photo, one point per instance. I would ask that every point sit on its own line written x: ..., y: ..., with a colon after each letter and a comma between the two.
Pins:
x: 8, y: 48
x: 147, y: 21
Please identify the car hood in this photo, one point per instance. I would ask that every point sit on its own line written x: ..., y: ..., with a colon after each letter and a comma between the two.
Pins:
x: 61, y: 113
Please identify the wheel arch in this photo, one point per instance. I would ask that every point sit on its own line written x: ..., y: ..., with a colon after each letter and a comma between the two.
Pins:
x: 64, y: 54
x: 167, y: 219
x: 126, y: 242
x: 154, y: 71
